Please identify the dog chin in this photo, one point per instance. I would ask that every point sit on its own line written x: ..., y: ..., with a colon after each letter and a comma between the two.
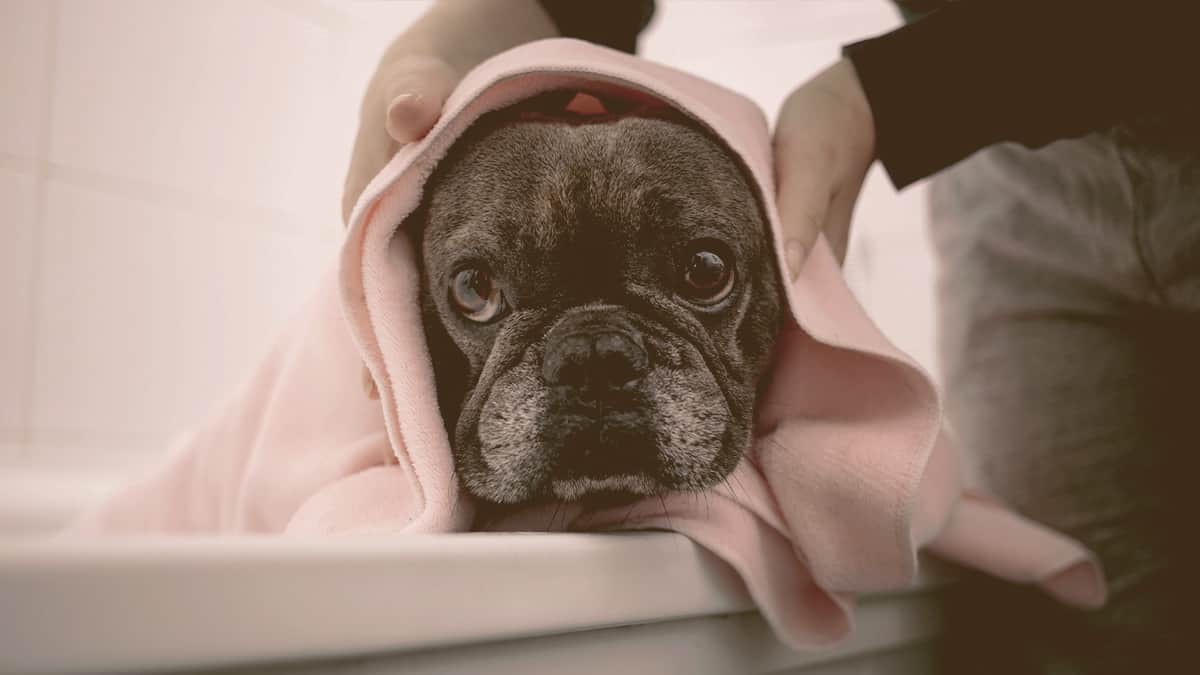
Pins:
x: 609, y: 488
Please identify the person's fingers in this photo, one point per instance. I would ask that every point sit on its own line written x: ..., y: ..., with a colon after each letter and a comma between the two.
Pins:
x: 414, y: 97
x: 824, y: 144
x: 803, y: 192
x: 400, y: 108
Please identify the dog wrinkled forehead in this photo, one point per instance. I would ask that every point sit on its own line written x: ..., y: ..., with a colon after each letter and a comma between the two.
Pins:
x: 564, y: 166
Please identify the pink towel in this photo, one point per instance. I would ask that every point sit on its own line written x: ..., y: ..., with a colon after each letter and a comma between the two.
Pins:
x: 848, y: 477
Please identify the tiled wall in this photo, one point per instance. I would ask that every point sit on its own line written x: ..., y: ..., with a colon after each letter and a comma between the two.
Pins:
x: 170, y: 177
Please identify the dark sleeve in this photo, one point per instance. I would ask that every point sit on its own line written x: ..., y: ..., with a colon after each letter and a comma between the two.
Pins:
x: 612, y: 23
x: 978, y: 72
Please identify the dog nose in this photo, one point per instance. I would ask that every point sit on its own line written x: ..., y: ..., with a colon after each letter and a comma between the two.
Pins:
x: 597, y: 357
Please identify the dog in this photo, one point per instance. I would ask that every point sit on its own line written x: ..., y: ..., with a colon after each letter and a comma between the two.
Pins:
x: 600, y: 300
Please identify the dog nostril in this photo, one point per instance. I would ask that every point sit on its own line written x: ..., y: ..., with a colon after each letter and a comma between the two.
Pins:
x: 607, y: 358
x: 618, y: 360
x: 566, y: 360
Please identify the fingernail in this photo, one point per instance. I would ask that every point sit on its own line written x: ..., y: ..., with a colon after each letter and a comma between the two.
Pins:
x: 793, y: 257
x: 402, y: 113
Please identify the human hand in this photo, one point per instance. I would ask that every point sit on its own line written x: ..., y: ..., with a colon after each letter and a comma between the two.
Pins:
x: 824, y: 143
x: 419, y: 70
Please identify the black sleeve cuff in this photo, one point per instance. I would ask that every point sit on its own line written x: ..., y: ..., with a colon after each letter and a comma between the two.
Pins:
x: 978, y: 72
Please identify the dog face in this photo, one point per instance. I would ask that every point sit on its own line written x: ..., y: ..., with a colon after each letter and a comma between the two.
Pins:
x: 600, y: 302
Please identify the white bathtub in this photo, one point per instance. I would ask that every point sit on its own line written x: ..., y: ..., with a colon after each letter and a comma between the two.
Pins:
x: 490, y: 603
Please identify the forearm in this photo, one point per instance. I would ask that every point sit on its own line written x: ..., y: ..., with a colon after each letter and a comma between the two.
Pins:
x: 979, y: 72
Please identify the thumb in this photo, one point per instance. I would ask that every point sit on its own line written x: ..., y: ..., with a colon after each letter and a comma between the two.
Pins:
x: 804, y: 194
x: 414, y: 97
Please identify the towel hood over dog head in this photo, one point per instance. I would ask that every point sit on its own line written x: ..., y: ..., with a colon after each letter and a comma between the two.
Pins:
x: 848, y: 477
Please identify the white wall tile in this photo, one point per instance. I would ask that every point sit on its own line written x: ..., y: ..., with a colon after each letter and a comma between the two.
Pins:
x: 24, y: 32
x: 371, y: 27
x: 226, y: 99
x: 898, y: 288
x: 17, y: 208
x: 88, y: 450
x: 881, y: 207
x: 148, y: 314
x: 12, y: 450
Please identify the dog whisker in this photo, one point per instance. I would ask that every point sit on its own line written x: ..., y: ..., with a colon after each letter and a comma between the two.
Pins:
x: 745, y: 494
x: 663, y: 502
x: 628, y: 512
x: 454, y: 503
x: 558, y: 504
x: 728, y: 486
x: 666, y: 515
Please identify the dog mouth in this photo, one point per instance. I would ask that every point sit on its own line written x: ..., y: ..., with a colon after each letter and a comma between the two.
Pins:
x: 605, y: 410
x: 605, y: 492
x: 591, y: 445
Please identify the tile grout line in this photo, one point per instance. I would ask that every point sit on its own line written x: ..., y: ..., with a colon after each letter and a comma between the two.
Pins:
x: 41, y: 189
x: 220, y: 209
x: 18, y: 163
x: 98, y: 437
x: 43, y: 171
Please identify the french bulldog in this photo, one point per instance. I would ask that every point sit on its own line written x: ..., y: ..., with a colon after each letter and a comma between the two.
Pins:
x: 600, y: 300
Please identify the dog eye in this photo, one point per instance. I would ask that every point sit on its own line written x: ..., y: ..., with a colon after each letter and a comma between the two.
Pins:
x: 707, y: 273
x: 476, y: 295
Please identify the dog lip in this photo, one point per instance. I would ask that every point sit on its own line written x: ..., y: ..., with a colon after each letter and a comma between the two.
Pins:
x: 599, y: 501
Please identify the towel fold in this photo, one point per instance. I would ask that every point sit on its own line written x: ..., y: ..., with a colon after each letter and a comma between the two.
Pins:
x: 848, y: 477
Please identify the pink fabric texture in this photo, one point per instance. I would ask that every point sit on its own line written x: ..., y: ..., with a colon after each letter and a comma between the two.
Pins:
x: 849, y: 475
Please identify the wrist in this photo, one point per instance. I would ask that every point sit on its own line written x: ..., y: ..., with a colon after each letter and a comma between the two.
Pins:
x: 840, y: 81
